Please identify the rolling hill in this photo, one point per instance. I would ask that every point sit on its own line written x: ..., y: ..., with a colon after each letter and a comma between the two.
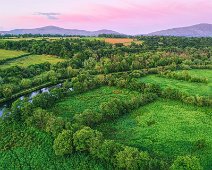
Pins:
x: 199, y: 30
x: 53, y: 30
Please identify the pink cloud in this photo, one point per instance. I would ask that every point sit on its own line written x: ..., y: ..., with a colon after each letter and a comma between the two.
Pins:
x: 127, y: 16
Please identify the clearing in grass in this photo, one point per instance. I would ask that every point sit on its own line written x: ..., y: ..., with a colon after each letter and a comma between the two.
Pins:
x: 191, y: 88
x: 91, y: 100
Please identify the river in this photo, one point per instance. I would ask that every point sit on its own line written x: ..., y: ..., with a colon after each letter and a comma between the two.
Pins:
x: 30, y: 96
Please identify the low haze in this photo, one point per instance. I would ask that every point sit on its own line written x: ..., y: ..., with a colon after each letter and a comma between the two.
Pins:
x: 125, y: 16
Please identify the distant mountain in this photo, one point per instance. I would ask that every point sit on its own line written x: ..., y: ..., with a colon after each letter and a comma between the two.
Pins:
x: 57, y: 30
x: 200, y: 30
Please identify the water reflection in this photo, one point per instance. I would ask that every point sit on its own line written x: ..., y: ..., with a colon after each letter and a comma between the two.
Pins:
x: 30, y: 96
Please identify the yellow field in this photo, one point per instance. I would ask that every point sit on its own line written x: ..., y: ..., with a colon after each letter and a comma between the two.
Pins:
x: 125, y: 41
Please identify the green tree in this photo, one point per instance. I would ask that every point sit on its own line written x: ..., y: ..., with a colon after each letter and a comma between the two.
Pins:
x: 21, y: 110
x: 63, y: 144
x: 108, y: 150
x: 25, y: 83
x: 38, y: 119
x: 8, y: 91
x: 87, y: 139
x: 55, y: 125
x: 131, y: 158
x: 88, y: 117
x: 186, y: 163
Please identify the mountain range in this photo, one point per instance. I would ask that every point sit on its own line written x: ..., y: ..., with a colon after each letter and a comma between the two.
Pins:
x: 199, y: 30
x: 53, y: 30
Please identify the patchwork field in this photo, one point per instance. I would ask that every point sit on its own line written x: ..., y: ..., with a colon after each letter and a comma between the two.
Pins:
x: 33, y: 59
x: 145, y: 129
x: 125, y: 41
x: 165, y: 128
x: 192, y: 88
x: 6, y: 54
x: 91, y: 100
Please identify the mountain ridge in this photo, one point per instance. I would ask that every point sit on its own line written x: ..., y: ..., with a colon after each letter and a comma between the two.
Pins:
x: 198, y: 30
x: 53, y: 30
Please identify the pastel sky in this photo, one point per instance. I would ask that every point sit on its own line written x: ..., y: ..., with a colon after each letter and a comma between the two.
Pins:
x: 125, y: 16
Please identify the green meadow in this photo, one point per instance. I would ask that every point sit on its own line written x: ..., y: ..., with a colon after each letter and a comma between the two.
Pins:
x: 166, y: 129
x: 91, y: 100
x: 33, y: 59
x: 191, y: 88
x: 6, y: 54
x: 36, y: 150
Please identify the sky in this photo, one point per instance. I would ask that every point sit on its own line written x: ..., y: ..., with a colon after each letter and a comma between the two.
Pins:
x: 124, y: 16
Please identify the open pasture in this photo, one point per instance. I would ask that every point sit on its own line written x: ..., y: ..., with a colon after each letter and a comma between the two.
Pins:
x: 165, y: 128
x: 191, y: 88
x: 91, y: 100
x: 33, y: 59
x: 6, y: 54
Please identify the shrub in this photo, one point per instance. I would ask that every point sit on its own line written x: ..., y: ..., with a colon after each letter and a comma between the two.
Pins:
x: 186, y: 163
x: 200, y: 144
x: 87, y: 139
x: 108, y: 150
x: 55, y: 125
x: 38, y: 119
x: 88, y: 117
x: 131, y: 158
x: 63, y: 144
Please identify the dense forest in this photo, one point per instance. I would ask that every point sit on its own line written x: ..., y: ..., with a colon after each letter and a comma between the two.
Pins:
x: 99, y: 112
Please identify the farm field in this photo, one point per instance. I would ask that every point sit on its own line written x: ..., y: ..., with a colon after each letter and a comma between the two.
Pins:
x: 165, y: 128
x: 33, y: 59
x: 192, y: 88
x: 6, y: 54
x: 91, y: 100
x: 125, y: 41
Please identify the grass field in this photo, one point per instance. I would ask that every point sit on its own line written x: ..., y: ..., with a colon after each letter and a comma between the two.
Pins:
x: 32, y: 59
x: 6, y: 54
x: 201, y: 89
x: 201, y: 73
x: 91, y: 100
x: 165, y: 128
x: 36, y: 152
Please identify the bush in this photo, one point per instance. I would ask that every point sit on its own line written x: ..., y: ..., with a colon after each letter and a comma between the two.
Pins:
x: 108, y: 150
x: 131, y: 158
x: 87, y: 139
x: 63, y: 144
x: 38, y: 119
x: 200, y: 144
x: 88, y: 117
x: 55, y: 125
x: 186, y: 163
